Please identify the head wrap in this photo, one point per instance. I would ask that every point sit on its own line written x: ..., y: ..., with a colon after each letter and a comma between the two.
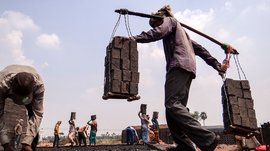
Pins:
x: 164, y: 11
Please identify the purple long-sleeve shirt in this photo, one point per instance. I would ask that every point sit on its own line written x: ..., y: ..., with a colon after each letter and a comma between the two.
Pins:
x: 179, y: 49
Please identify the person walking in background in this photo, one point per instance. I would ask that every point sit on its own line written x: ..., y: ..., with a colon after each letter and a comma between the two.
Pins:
x: 71, y: 134
x: 82, y: 134
x: 56, y: 134
x: 155, y: 127
x: 144, y: 127
x: 180, y: 53
x: 93, y: 131
x: 18, y: 132
x: 24, y: 86
x: 151, y: 133
x: 132, y: 135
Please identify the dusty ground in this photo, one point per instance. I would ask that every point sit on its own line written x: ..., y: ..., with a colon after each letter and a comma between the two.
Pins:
x: 123, y: 147
x: 221, y: 147
x: 102, y: 148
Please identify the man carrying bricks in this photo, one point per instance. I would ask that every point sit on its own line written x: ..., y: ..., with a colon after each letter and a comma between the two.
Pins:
x: 93, y: 131
x: 25, y: 87
x: 180, y: 53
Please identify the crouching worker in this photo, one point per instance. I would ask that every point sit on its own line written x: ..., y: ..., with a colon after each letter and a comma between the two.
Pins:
x: 132, y: 135
x: 24, y: 86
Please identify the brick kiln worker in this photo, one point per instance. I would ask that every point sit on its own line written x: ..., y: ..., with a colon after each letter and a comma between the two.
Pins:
x: 24, y: 86
x: 180, y: 53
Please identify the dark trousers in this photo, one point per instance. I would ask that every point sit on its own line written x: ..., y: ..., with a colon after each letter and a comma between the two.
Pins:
x: 184, y: 128
x: 56, y: 141
x: 36, y: 138
x: 130, y: 136
x: 82, y: 138
x: 35, y: 142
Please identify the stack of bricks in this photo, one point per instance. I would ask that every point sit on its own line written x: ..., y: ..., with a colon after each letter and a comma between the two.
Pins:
x: 121, y: 69
x: 238, y: 107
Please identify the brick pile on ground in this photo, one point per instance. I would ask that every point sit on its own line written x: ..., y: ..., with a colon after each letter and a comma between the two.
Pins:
x: 238, y: 107
x: 121, y: 69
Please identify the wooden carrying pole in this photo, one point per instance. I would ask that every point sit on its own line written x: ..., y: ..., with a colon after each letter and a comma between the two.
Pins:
x: 126, y: 11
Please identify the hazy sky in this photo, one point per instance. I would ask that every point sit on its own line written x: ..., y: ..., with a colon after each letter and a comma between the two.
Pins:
x: 65, y: 40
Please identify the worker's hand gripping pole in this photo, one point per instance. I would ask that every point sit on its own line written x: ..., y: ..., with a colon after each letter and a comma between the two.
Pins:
x: 228, y: 50
x: 124, y: 11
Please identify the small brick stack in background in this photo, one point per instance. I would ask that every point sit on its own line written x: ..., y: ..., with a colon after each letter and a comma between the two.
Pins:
x: 238, y: 106
x: 121, y: 69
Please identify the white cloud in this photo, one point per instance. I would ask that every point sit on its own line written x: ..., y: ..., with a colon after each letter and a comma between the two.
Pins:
x: 44, y: 65
x: 13, y: 24
x: 14, y: 40
x: 223, y: 34
x: 151, y: 51
x: 228, y: 5
x: 245, y: 42
x: 48, y: 41
x: 153, y: 60
x: 19, y: 21
x: 246, y: 11
x: 263, y: 7
x: 195, y: 18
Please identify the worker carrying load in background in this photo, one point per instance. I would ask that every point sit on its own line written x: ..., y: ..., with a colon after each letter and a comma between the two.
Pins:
x: 93, y: 130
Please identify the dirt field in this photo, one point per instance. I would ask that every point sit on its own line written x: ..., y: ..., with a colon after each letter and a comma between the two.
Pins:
x: 102, y: 148
x: 123, y: 147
